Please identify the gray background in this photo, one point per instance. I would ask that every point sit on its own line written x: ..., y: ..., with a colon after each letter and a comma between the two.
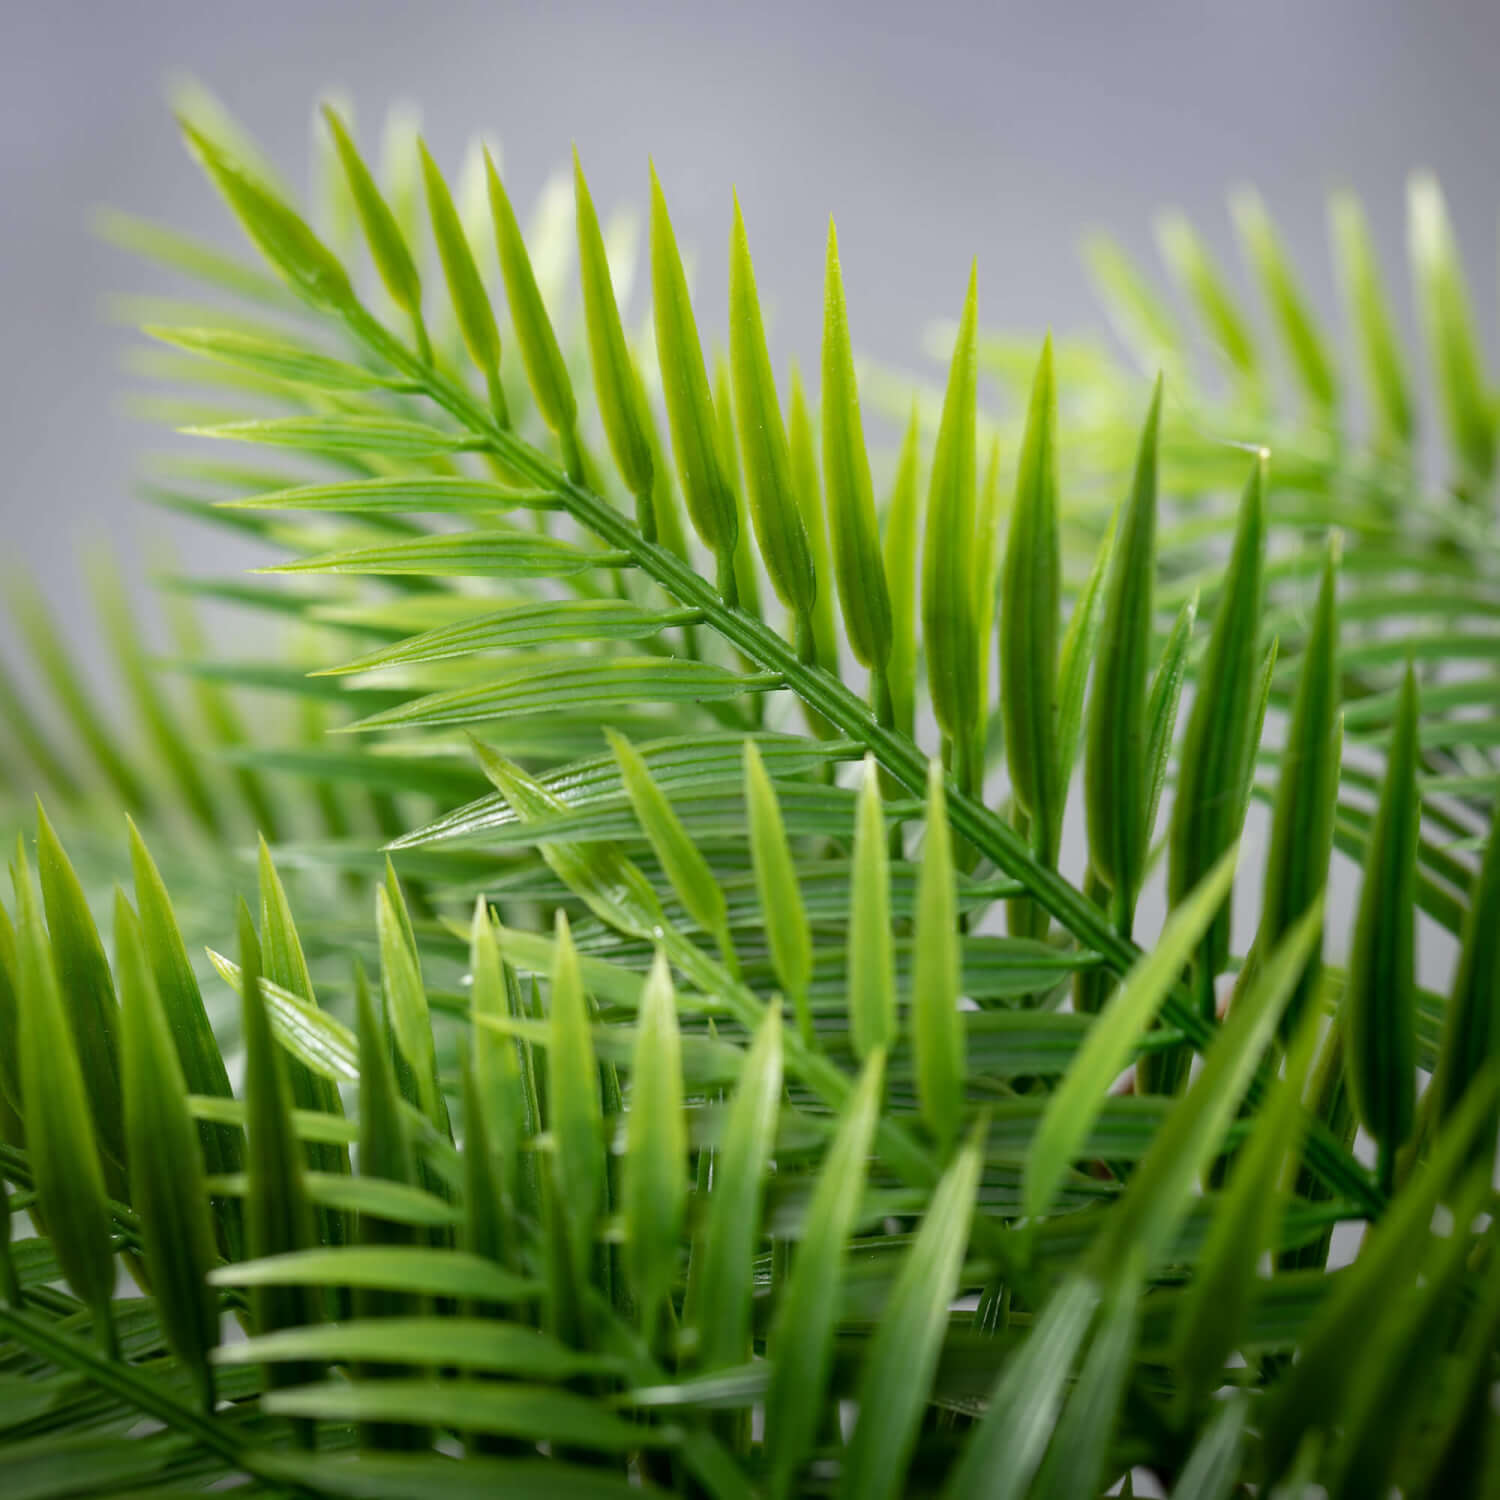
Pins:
x: 932, y: 131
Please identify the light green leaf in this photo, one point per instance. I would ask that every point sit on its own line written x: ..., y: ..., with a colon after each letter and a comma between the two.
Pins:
x: 896, y: 1378
x: 937, y: 1030
x: 768, y: 477
x: 872, y: 982
x: 731, y: 1234
x: 545, y: 368
x: 166, y: 1171
x: 949, y: 630
x: 802, y: 1334
x: 656, y: 1149
x: 690, y: 411
x: 1111, y: 1041
x: 615, y: 385
x: 1029, y: 594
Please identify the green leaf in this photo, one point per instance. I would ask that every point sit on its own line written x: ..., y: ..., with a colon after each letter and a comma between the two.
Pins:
x: 431, y: 1476
x: 690, y: 411
x: 807, y: 489
x: 277, y: 1213
x: 545, y: 368
x: 57, y: 669
x: 615, y: 386
x: 1312, y: 363
x: 1001, y: 1457
x: 862, y: 590
x: 153, y: 709
x: 388, y: 247
x: 731, y: 1234
x: 560, y: 683
x: 1307, y: 789
x: 1081, y: 1444
x: 609, y: 884
x: 1116, y: 770
x: 1368, y: 309
x: 685, y: 866
x: 276, y: 358
x: 1471, y: 1026
x: 84, y: 1464
x: 463, y: 554
x: 280, y: 235
x: 1112, y: 1040
x: 1192, y: 267
x: 1309, y: 1396
x: 384, y: 1143
x: 554, y: 622
x: 949, y: 631
x: 347, y: 433
x: 768, y: 476
x: 1136, y: 313
x: 1217, y: 745
x: 872, y: 980
x: 778, y: 887
x: 284, y: 965
x: 1075, y: 658
x: 902, y: 1356
x: 505, y: 1113
x: 60, y: 1145
x: 1212, y: 1469
x: 537, y: 1415
x: 427, y: 494
x: 406, y: 996
x: 1225, y: 1281
x: 802, y: 1334
x: 88, y: 994
x: 314, y: 1039
x: 471, y: 303
x: 899, y: 554
x: 418, y: 1269
x: 1030, y: 592
x: 1448, y: 324
x: 464, y: 1343
x: 1162, y: 1187
x: 166, y: 1171
x: 937, y: 1031
x: 1161, y: 708
x: 656, y: 1150
x: 574, y: 1110
x: 1379, y: 1004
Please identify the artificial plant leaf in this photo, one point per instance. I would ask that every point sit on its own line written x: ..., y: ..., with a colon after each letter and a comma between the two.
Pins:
x: 896, y: 1377
x: 802, y: 1333
x: 872, y: 979
x: 1030, y: 592
x: 777, y: 885
x: 779, y: 528
x: 1111, y: 1041
x: 863, y: 595
x: 1217, y: 745
x: 1379, y: 1004
x: 937, y: 1030
x: 166, y: 1170
x: 1116, y: 769
x: 60, y: 1144
x: 732, y: 1229
x: 545, y: 367
x: 656, y: 1149
x: 690, y: 411
x: 615, y: 386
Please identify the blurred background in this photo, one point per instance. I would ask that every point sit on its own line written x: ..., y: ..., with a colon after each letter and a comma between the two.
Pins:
x: 932, y: 132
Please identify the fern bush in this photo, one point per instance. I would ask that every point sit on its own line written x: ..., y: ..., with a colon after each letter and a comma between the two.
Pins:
x: 663, y: 1044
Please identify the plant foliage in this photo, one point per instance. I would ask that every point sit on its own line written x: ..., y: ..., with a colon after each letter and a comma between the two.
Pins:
x: 662, y: 1040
